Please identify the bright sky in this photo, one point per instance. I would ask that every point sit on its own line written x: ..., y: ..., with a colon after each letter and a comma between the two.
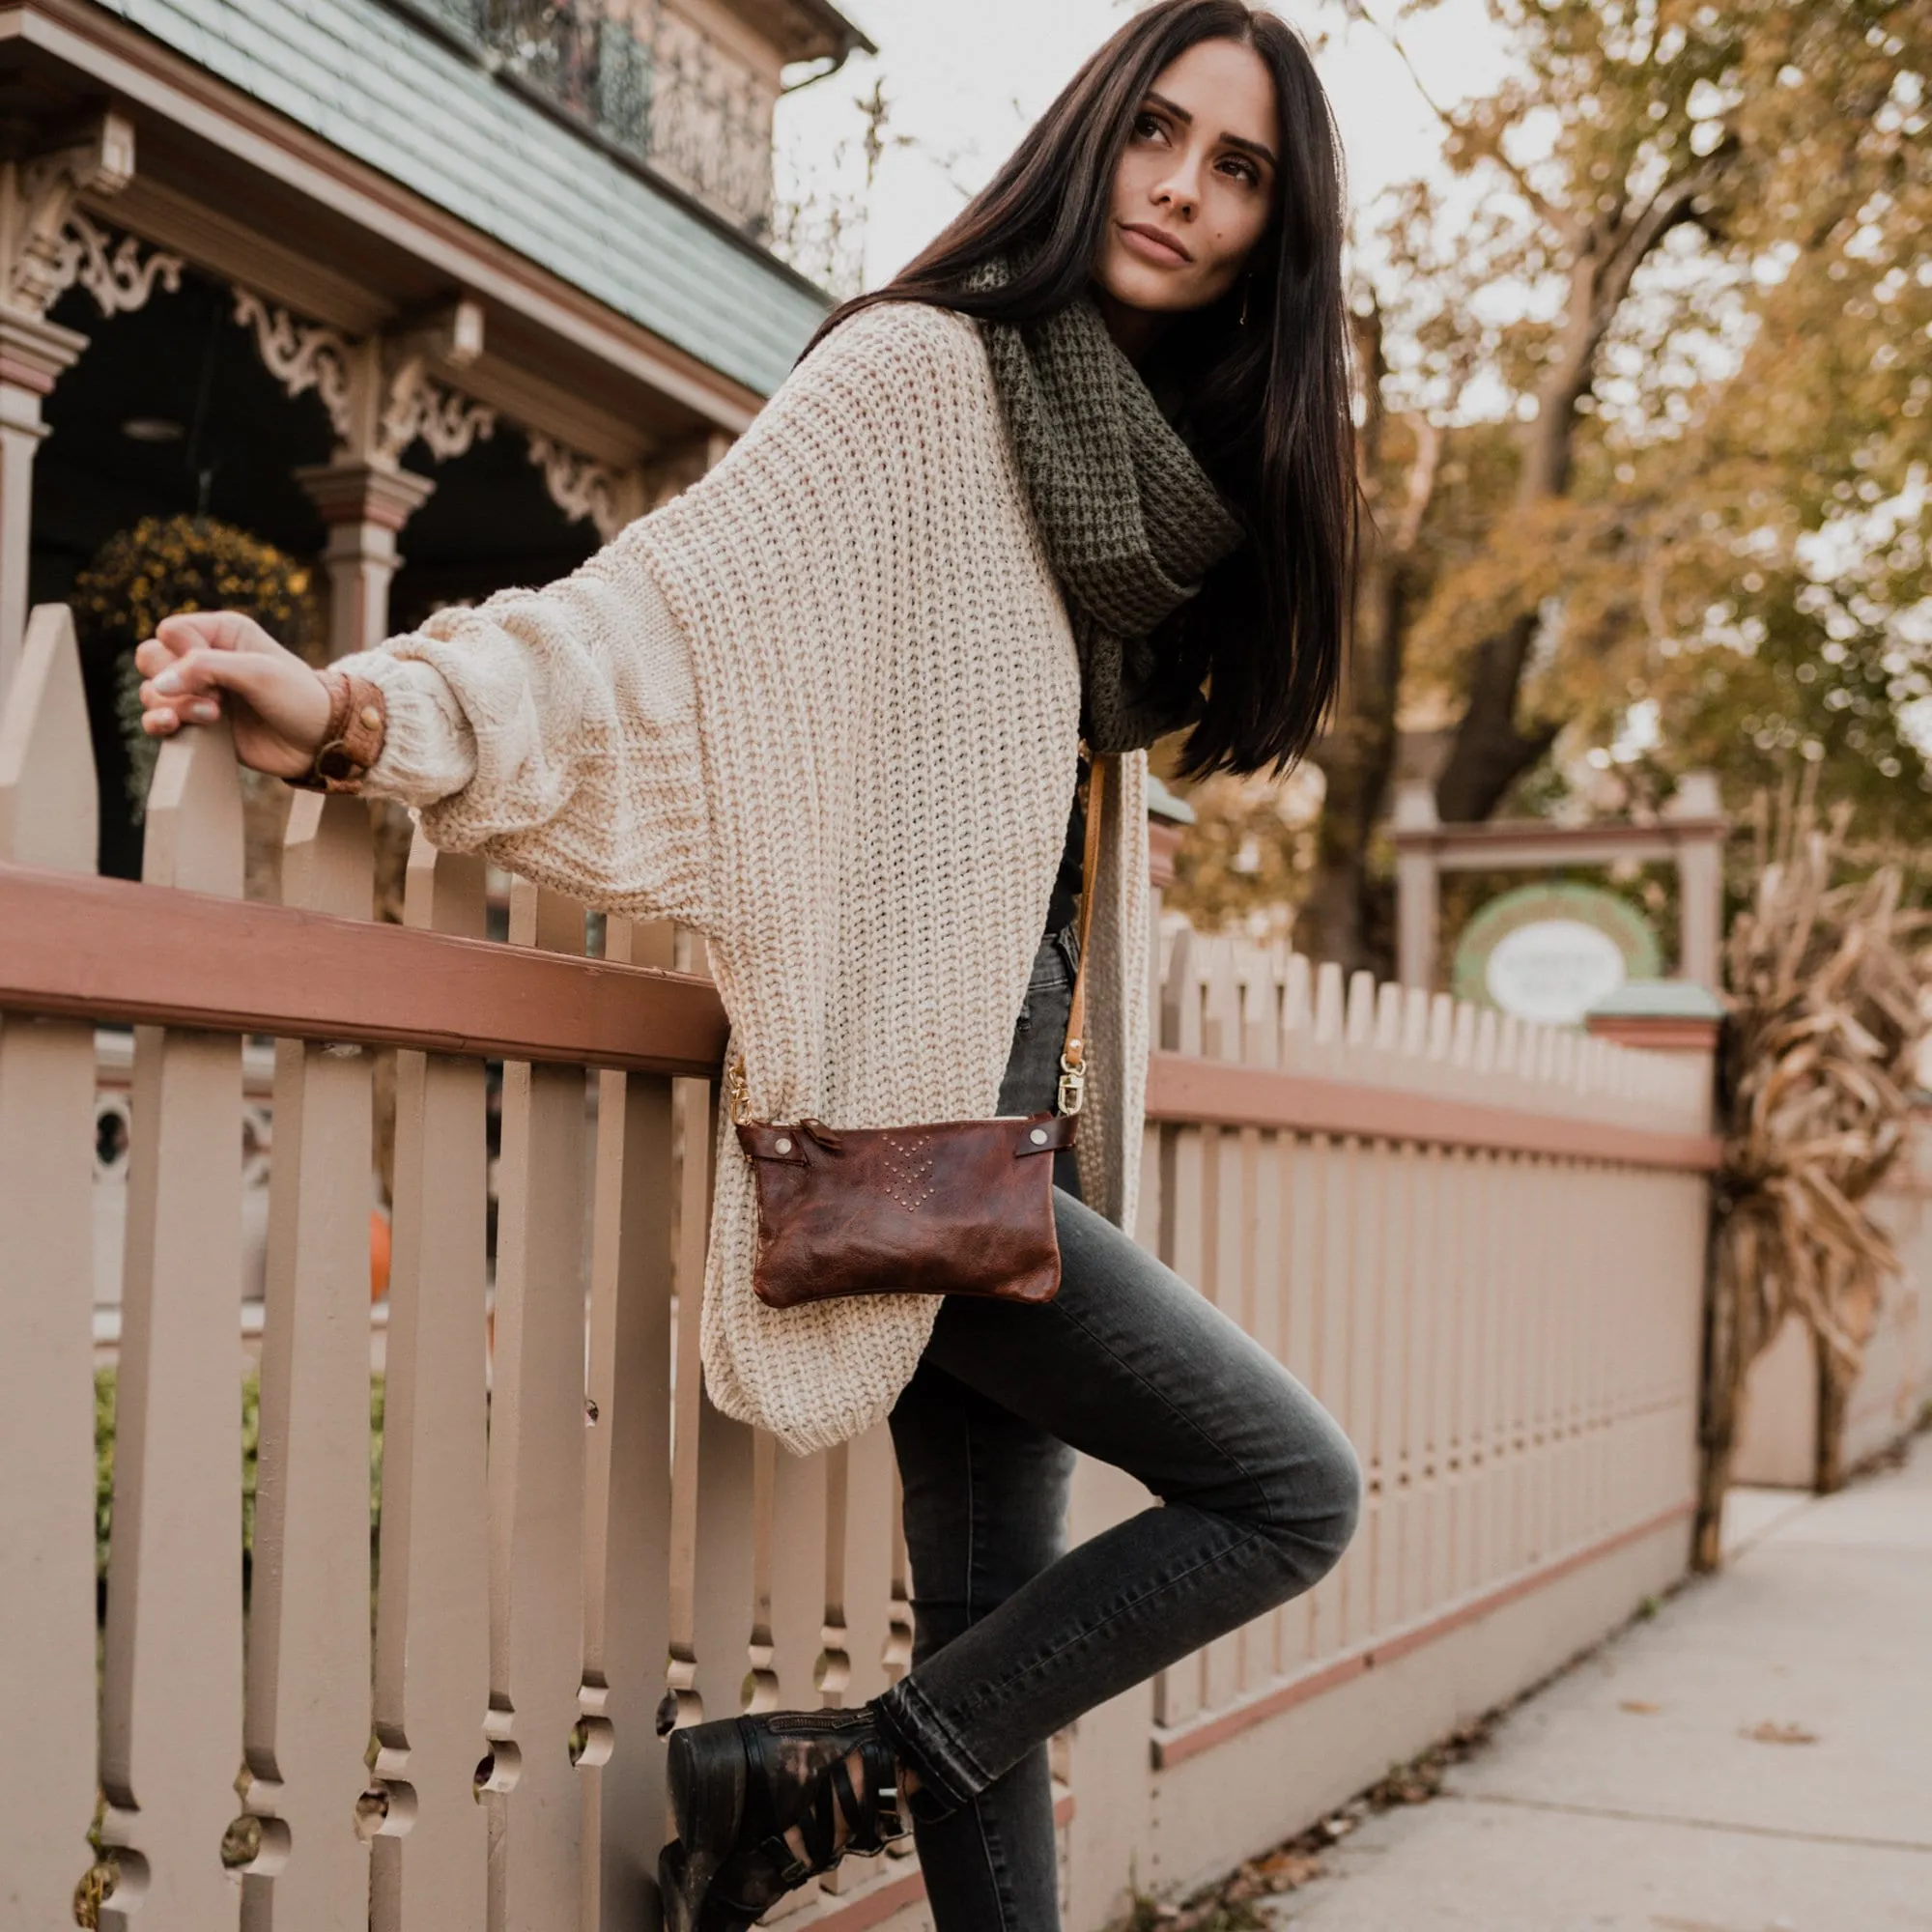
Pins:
x: 965, y: 80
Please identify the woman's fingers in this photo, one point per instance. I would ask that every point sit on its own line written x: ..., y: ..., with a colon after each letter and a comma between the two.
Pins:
x: 213, y: 669
x: 181, y: 709
x: 188, y: 690
x: 189, y: 631
x: 162, y: 718
x: 280, y: 705
x: 154, y: 656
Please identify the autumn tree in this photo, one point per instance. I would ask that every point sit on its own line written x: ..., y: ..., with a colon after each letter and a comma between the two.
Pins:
x: 1786, y: 616
x: 1643, y: 394
x: 1679, y: 539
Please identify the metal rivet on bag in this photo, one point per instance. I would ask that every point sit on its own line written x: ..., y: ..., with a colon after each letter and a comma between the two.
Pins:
x: 783, y: 1144
x: 1038, y: 1137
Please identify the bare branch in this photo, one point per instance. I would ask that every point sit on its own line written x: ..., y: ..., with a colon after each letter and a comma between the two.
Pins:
x: 1672, y: 205
x: 1545, y: 209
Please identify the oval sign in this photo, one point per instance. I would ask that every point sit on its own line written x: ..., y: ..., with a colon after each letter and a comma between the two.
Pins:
x: 1553, y: 969
x: 1551, y: 952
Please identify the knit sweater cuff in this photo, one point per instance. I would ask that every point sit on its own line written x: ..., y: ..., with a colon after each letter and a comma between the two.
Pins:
x: 428, y: 748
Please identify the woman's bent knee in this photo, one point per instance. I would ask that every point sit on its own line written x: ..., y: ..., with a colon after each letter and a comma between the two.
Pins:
x: 1311, y: 1498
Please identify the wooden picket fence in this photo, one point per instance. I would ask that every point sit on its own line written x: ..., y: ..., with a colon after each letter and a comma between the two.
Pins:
x: 1480, y: 1243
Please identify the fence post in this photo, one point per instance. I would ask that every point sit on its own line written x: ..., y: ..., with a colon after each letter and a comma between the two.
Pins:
x: 47, y: 1395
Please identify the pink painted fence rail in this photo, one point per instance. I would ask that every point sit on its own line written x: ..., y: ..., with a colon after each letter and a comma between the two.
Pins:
x: 1481, y: 1245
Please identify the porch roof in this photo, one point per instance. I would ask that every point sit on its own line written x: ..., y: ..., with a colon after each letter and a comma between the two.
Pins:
x: 362, y: 76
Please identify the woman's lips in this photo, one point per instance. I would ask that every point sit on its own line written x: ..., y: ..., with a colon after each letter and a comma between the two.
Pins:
x: 1152, y: 246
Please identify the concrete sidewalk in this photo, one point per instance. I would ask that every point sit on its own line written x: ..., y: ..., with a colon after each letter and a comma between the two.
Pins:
x: 1755, y: 1758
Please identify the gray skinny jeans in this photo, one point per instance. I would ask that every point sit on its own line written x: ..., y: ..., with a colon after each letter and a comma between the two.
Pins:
x: 1014, y: 1636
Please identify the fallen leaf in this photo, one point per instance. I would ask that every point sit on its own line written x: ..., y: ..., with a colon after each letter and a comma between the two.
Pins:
x: 1637, y: 1707
x: 1769, y: 1733
x: 1285, y: 1871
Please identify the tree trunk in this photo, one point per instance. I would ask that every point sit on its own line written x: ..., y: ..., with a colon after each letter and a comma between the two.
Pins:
x: 1834, y: 1395
x: 1336, y: 913
x: 1491, y: 749
x: 1356, y: 755
x: 1721, y: 1397
x: 1490, y: 753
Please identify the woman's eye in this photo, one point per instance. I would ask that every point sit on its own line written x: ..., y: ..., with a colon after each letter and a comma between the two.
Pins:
x: 1147, y: 127
x: 1243, y: 171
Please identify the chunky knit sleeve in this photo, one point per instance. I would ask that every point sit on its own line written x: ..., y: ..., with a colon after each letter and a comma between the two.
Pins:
x: 577, y: 735
x: 555, y: 731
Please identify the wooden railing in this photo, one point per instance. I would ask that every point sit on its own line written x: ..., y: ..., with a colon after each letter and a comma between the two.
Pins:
x: 1481, y: 1244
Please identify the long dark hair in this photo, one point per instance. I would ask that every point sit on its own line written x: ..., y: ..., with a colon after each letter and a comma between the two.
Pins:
x: 1265, y: 405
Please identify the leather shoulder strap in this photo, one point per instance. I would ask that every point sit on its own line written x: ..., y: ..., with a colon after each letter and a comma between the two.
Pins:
x: 1073, y: 1054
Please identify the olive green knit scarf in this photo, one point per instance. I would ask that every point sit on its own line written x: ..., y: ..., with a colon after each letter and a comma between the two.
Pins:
x: 1129, y: 520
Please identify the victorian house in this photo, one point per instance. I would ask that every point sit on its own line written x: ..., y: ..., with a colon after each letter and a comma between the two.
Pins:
x: 432, y: 295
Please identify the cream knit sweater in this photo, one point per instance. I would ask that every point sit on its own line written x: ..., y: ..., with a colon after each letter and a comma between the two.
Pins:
x: 824, y: 708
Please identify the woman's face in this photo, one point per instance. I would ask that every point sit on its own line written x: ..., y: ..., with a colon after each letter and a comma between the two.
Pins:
x: 1196, y: 185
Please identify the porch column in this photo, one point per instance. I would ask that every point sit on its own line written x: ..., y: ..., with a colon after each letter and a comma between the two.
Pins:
x: 364, y: 505
x: 33, y: 356
x: 1697, y: 811
x: 37, y: 262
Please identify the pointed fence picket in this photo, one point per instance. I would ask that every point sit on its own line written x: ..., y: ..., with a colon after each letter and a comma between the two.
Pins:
x: 171, y: 1687
x: 46, y: 1382
x: 536, y: 1474
x: 1479, y: 1243
x: 427, y: 1859
x: 308, y: 1624
x: 627, y: 1516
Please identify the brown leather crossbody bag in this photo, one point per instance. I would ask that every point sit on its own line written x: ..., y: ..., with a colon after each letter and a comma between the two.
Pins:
x: 959, y: 1208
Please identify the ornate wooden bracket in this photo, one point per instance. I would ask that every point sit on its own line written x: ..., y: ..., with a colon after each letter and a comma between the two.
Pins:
x: 583, y: 488
x: 610, y: 497
x: 301, y: 356
x: 119, y: 275
x: 37, y: 202
x: 378, y: 390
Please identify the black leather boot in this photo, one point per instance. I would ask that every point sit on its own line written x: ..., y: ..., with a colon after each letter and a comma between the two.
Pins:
x: 739, y: 1785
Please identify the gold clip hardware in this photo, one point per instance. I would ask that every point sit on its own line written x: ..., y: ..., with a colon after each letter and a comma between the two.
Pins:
x: 738, y: 1090
x: 1073, y: 1087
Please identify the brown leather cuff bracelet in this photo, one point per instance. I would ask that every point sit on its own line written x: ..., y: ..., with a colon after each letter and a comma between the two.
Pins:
x: 352, y: 741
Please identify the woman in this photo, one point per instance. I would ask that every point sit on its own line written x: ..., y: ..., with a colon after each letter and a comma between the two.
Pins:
x: 1083, y: 470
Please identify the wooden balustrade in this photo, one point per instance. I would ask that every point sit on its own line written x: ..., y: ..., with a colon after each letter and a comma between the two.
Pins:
x: 1479, y: 1242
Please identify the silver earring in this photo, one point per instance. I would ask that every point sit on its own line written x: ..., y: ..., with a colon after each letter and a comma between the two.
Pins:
x: 1247, y: 295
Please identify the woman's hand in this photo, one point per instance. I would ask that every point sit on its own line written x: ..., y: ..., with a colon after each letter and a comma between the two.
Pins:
x: 279, y: 705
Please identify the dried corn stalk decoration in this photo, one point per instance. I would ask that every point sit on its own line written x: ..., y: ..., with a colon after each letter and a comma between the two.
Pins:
x: 1815, y: 1079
